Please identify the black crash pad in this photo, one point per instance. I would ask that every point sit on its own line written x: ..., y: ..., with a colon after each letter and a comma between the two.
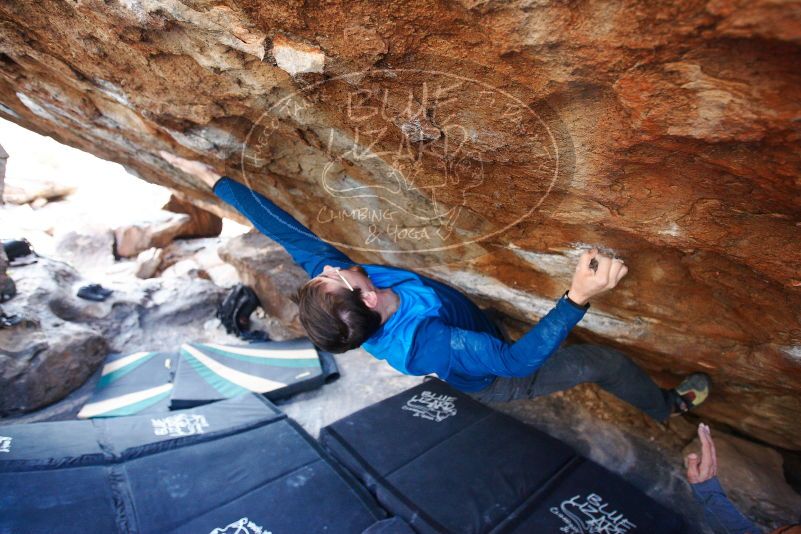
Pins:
x: 446, y: 463
x: 238, y: 465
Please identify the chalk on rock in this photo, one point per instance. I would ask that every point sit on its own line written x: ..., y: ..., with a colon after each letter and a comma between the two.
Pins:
x: 420, y: 129
x: 297, y: 58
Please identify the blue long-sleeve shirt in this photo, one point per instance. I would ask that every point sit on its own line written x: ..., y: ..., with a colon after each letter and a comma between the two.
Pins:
x: 720, y: 513
x: 436, y: 329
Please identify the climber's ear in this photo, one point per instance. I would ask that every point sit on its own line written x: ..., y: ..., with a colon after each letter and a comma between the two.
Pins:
x: 370, y: 299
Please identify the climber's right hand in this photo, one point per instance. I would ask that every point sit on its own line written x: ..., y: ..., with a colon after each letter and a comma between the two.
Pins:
x: 198, y: 169
x: 589, y: 282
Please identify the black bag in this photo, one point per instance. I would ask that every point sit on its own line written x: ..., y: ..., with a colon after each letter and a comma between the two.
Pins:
x: 19, y: 251
x: 234, y: 313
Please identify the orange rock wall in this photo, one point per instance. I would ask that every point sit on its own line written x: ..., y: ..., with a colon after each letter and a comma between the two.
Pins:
x: 483, y: 142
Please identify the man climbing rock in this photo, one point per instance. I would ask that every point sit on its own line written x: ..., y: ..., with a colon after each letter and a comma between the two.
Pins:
x: 421, y: 326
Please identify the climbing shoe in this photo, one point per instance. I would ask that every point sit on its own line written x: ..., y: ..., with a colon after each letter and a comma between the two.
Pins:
x: 7, y: 321
x: 94, y: 292
x: 692, y: 391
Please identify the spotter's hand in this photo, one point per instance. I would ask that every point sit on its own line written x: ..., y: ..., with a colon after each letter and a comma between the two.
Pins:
x: 595, y: 274
x: 701, y: 470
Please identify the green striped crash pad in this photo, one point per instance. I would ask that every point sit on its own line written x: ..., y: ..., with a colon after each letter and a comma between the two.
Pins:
x: 210, y: 372
x: 129, y: 384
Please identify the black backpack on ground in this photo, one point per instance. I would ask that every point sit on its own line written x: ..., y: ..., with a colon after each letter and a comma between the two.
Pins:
x: 19, y: 251
x: 234, y: 313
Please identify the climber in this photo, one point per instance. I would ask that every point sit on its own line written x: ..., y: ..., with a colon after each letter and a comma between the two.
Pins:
x: 421, y: 326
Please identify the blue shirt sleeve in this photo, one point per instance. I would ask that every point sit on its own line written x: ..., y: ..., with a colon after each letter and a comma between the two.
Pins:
x: 308, y: 250
x: 445, y: 350
x: 720, y: 513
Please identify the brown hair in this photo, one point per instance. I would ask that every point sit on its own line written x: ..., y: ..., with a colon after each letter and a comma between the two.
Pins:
x: 336, y: 320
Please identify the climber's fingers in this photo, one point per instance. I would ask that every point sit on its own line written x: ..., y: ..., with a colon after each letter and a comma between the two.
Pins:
x: 708, y: 467
x: 622, y: 272
x: 714, y: 451
x: 604, y: 266
x: 615, y: 272
x: 691, y: 463
x: 584, y: 266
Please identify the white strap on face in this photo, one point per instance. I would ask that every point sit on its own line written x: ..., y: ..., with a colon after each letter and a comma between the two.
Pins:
x: 336, y: 270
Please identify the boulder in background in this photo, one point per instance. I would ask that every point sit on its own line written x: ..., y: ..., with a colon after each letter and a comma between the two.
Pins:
x: 90, y: 249
x: 156, y: 231
x: 34, y: 191
x: 53, y: 350
x: 201, y: 223
x: 148, y: 262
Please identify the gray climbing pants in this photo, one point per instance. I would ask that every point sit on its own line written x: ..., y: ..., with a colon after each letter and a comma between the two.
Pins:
x: 577, y: 364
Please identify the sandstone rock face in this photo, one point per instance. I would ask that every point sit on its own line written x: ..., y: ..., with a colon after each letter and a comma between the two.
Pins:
x: 485, y: 141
